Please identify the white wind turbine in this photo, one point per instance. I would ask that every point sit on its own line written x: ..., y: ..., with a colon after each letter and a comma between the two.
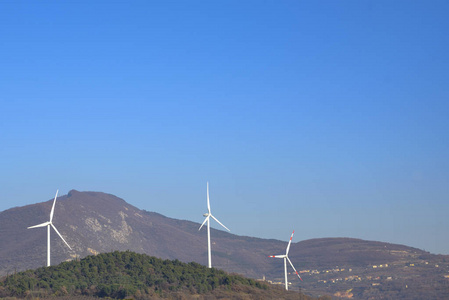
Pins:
x: 50, y: 224
x: 285, y: 257
x: 208, y: 215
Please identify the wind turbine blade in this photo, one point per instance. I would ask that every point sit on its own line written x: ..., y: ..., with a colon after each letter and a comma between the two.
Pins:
x: 220, y: 223
x: 53, y: 207
x: 39, y: 225
x: 208, y: 203
x: 277, y: 256
x: 289, y: 242
x: 204, y: 222
x: 60, y: 236
x: 293, y: 267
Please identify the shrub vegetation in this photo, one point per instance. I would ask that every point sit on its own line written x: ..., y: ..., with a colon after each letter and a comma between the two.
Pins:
x: 122, y: 275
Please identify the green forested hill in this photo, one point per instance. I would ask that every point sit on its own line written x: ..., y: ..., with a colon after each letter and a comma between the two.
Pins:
x: 131, y: 275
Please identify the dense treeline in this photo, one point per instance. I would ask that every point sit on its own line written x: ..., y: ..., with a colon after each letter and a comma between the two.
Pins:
x: 121, y: 275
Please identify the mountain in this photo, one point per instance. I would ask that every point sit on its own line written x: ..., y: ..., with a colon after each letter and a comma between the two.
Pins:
x: 94, y: 222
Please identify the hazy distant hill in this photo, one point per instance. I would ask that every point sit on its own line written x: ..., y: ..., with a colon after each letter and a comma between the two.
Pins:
x: 94, y: 222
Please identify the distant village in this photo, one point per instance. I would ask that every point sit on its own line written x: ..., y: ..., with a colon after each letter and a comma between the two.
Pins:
x: 373, y: 276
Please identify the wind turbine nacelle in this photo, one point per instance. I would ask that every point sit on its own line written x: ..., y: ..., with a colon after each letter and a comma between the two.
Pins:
x: 206, y: 214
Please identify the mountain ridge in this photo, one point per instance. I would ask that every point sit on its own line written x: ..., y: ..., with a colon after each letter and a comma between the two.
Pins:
x: 97, y: 222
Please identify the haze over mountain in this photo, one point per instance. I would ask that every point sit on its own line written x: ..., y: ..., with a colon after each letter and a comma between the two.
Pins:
x: 95, y: 222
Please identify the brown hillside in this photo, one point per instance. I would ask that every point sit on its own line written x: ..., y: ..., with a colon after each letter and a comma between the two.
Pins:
x: 94, y: 222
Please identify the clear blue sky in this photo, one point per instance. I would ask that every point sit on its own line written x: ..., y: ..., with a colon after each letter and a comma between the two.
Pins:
x: 327, y: 117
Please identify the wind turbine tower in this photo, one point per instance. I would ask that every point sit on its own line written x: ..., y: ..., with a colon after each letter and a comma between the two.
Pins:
x: 209, y: 215
x: 285, y: 257
x: 50, y: 224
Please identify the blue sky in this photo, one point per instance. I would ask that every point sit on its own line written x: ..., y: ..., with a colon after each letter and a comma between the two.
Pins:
x: 327, y: 117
